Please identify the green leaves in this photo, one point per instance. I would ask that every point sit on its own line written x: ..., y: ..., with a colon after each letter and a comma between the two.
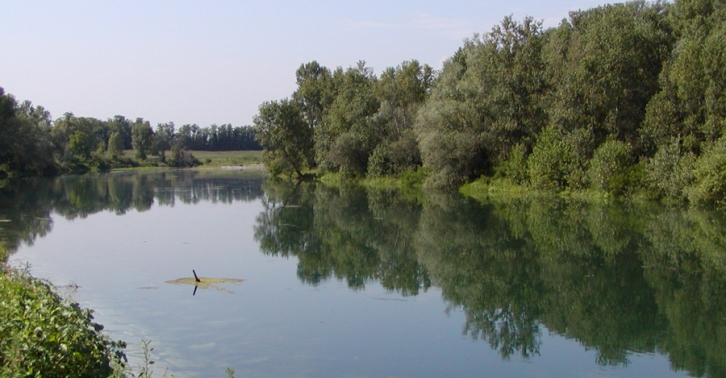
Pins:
x: 42, y: 334
x: 285, y: 136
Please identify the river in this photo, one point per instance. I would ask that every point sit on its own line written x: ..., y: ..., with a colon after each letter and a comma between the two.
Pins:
x: 311, y: 281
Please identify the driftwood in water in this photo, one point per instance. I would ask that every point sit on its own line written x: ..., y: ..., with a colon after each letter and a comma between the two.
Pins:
x: 195, y: 276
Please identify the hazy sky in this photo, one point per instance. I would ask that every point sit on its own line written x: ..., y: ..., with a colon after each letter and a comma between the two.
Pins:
x: 210, y: 61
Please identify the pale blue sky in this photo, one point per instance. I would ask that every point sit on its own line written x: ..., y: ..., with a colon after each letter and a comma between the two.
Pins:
x: 215, y: 61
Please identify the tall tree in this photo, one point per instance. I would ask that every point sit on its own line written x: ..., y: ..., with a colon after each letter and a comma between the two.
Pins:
x: 163, y: 139
x: 115, y: 145
x: 142, y: 138
x: 286, y: 137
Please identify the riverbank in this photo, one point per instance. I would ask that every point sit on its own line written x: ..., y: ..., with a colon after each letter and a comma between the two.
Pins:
x: 42, y: 333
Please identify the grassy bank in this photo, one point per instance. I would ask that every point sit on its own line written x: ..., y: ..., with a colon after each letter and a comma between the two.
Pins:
x: 228, y: 158
x: 484, y: 189
x: 43, y: 335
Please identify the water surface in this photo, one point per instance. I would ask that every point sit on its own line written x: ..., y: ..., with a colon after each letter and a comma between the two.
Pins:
x: 369, y: 283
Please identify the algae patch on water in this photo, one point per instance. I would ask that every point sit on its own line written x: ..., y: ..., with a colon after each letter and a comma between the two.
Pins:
x: 207, y: 282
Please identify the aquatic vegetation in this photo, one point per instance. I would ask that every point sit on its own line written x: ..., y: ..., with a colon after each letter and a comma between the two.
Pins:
x: 207, y: 283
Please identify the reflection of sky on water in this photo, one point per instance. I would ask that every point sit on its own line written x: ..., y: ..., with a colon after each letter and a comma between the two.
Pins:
x: 273, y: 325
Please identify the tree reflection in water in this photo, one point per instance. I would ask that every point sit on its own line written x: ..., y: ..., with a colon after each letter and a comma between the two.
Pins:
x: 619, y: 279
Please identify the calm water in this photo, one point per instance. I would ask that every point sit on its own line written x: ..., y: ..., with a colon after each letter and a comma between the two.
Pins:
x: 368, y: 283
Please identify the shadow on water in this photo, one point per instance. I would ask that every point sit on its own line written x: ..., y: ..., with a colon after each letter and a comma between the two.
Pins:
x: 620, y: 280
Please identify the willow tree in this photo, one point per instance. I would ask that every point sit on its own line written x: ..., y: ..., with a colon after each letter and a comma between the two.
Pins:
x: 285, y: 136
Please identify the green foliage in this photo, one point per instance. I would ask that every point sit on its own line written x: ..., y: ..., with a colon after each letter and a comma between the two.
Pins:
x: 349, y: 154
x: 285, y: 136
x: 26, y: 146
x: 452, y: 158
x: 414, y: 178
x: 394, y: 158
x: 670, y: 171
x: 709, y: 173
x: 80, y: 145
x: 162, y: 139
x: 115, y: 145
x: 550, y: 163
x: 181, y: 158
x: 605, y: 63
x: 42, y: 335
x: 142, y: 138
x: 515, y: 167
x: 354, y: 102
x: 610, y: 166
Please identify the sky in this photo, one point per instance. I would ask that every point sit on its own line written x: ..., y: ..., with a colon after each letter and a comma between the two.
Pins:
x: 213, y: 61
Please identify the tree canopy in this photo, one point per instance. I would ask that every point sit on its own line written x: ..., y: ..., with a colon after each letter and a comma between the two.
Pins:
x: 627, y: 99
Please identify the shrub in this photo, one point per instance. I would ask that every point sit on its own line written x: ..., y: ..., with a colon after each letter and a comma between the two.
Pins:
x: 394, y: 158
x: 610, y: 166
x: 670, y: 171
x: 515, y: 167
x: 452, y: 157
x: 42, y: 335
x: 550, y: 162
x: 710, y: 177
x: 349, y: 154
x: 181, y: 158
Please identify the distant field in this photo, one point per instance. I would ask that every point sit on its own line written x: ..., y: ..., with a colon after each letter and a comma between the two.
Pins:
x: 211, y: 158
x: 228, y: 158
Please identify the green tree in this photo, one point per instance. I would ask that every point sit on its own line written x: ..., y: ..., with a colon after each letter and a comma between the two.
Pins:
x: 348, y: 113
x: 286, y: 137
x: 314, y: 92
x: 488, y: 98
x: 610, y: 166
x: 691, y: 98
x: 163, y: 139
x: 80, y: 145
x: 115, y: 145
x: 26, y: 147
x: 551, y: 161
x: 142, y: 138
x: 605, y: 64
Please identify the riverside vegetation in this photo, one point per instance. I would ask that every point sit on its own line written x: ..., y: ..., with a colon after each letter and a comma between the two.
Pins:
x: 43, y: 335
x: 626, y: 99
x: 41, y: 332
x: 32, y: 144
x: 629, y: 283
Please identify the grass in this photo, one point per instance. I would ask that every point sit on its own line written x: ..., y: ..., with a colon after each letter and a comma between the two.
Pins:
x: 228, y: 158
x: 487, y: 189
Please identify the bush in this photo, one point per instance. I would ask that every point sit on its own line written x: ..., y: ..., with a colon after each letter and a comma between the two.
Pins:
x: 414, y: 178
x: 394, y: 158
x: 181, y: 158
x: 350, y: 155
x: 710, y: 177
x: 452, y: 158
x: 515, y: 167
x: 610, y: 166
x: 42, y: 335
x: 670, y: 172
x: 550, y: 162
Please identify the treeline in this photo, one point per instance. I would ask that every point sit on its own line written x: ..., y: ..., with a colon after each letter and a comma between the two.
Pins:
x: 31, y: 143
x: 628, y: 99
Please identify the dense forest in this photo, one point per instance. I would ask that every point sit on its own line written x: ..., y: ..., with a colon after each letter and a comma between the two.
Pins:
x: 627, y: 99
x: 32, y: 143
